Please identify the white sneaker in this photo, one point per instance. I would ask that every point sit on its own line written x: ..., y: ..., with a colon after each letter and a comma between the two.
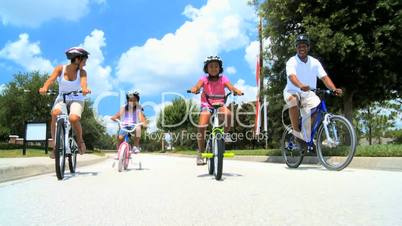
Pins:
x: 200, y: 160
x: 227, y: 138
x: 136, y: 150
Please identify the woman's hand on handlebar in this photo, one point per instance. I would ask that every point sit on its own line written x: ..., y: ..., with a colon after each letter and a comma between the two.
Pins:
x: 86, y: 91
x: 42, y: 91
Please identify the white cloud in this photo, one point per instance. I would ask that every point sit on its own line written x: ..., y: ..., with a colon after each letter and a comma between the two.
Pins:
x: 2, y: 87
x: 174, y: 62
x: 250, y: 92
x: 99, y: 77
x: 253, y: 51
x: 157, y: 108
x: 26, y: 54
x: 231, y: 70
x: 191, y: 12
x: 110, y: 125
x: 34, y: 13
x: 251, y: 56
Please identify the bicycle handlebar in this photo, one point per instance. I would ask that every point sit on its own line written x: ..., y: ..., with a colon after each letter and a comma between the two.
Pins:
x: 324, y: 91
x: 123, y: 125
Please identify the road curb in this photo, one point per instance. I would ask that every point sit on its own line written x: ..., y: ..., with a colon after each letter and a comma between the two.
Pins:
x: 20, y: 172
x: 374, y: 163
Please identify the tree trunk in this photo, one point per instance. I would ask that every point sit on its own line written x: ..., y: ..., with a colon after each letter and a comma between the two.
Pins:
x: 370, y: 135
x: 348, y: 105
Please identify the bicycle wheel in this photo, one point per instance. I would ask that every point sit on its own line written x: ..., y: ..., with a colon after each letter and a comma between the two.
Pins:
x: 218, y: 149
x: 60, y: 149
x: 336, y: 149
x: 126, y: 158
x: 292, y: 151
x: 210, y: 161
x: 72, y: 158
x: 121, y: 155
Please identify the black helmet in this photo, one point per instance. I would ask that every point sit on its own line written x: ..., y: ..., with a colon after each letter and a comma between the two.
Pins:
x: 76, y: 52
x: 133, y: 94
x: 211, y: 59
x: 302, y: 39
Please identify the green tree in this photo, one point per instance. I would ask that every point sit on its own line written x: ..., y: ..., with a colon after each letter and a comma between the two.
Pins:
x: 378, y: 119
x: 17, y: 106
x: 180, y: 118
x: 358, y: 42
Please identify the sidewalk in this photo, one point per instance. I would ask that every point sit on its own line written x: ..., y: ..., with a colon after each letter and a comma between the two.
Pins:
x: 17, y: 168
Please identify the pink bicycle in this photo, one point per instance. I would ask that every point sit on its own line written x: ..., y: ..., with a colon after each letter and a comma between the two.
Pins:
x: 125, y: 149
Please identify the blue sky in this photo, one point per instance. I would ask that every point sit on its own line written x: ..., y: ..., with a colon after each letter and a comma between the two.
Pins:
x: 151, y: 46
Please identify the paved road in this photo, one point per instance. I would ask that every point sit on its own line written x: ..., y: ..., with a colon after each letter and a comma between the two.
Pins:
x: 173, y: 191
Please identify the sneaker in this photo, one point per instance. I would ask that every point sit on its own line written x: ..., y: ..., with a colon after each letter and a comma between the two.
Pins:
x: 227, y: 138
x: 135, y: 150
x: 200, y: 160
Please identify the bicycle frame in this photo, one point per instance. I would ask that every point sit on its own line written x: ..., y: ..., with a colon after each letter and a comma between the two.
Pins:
x: 217, y: 130
x: 123, y: 127
x: 65, y: 112
x: 321, y: 116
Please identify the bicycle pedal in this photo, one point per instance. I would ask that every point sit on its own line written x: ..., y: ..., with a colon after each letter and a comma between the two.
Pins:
x: 228, y: 154
x: 207, y: 155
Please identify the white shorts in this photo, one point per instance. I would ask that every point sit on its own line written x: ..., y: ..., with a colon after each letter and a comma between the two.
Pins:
x: 76, y: 107
x: 308, y: 100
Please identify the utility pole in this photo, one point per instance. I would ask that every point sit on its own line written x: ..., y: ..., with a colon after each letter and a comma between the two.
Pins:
x: 261, y: 91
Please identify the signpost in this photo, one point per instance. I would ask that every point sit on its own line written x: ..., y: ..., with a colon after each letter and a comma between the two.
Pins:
x: 35, y: 132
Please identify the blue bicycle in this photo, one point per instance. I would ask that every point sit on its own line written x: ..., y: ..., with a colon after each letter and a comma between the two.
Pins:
x: 335, y: 143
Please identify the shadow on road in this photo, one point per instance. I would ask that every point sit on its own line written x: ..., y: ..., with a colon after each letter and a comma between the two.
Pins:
x: 223, y: 174
x: 76, y: 174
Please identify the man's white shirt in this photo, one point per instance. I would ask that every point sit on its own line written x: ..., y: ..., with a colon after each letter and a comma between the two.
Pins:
x: 307, y: 73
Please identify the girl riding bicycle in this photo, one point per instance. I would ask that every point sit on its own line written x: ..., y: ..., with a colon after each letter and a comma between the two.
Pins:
x: 212, y: 83
x: 71, y: 77
x: 130, y: 114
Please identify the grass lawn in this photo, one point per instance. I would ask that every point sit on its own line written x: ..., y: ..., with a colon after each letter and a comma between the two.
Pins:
x: 378, y: 150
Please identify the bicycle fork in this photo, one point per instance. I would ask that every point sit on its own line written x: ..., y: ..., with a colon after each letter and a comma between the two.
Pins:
x: 331, y: 141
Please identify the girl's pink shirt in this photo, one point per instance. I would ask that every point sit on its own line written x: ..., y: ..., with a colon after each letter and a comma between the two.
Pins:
x: 212, y: 88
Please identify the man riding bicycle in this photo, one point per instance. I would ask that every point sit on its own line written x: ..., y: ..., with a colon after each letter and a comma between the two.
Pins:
x: 302, y: 71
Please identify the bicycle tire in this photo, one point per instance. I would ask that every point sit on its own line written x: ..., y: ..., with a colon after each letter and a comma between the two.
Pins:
x: 72, y: 158
x: 121, y: 156
x: 210, y: 161
x: 218, y: 158
x: 126, y: 158
x: 60, y: 149
x: 292, y: 151
x: 330, y: 153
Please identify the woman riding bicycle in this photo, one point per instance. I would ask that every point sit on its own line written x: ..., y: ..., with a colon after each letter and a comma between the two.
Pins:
x: 212, y: 83
x: 71, y: 77
x: 302, y: 71
x: 130, y: 114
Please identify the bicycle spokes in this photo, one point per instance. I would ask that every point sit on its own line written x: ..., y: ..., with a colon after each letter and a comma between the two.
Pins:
x: 337, y: 143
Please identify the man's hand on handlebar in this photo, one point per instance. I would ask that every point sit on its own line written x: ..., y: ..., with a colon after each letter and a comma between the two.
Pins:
x: 338, y: 92
x: 305, y: 88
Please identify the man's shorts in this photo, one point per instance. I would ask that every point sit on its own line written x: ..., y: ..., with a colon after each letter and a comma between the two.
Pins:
x: 308, y: 100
